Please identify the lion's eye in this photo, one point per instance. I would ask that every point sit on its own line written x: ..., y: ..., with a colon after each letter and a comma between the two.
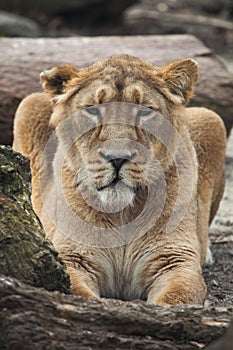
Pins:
x: 144, y: 112
x: 93, y: 111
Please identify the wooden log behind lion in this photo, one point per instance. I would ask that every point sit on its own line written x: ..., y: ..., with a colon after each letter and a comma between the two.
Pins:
x: 125, y: 179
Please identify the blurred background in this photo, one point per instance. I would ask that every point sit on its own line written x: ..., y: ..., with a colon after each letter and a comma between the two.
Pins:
x: 209, y: 20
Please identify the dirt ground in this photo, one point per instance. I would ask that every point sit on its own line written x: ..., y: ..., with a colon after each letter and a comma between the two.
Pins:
x: 219, y: 276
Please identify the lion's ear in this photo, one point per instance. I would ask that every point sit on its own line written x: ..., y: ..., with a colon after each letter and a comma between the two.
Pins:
x: 180, y: 77
x: 55, y: 79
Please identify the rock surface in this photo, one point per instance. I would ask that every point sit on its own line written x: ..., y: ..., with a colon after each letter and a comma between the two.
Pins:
x: 14, y: 25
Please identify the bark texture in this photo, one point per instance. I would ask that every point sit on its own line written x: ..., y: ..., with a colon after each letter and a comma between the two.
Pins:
x: 25, y: 253
x: 35, y: 319
x: 225, y: 342
x: 22, y: 60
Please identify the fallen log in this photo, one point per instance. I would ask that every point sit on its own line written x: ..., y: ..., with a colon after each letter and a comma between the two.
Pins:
x: 25, y: 253
x: 213, y: 31
x: 225, y: 342
x: 179, y: 20
x: 35, y: 319
x: 22, y: 60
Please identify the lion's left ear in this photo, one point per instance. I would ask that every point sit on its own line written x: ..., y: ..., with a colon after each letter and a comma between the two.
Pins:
x: 180, y: 77
x: 55, y: 79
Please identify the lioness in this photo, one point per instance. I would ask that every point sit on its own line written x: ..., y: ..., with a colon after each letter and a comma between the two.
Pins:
x: 139, y: 170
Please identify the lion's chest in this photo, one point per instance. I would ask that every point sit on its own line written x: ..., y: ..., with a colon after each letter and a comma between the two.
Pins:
x: 124, y: 269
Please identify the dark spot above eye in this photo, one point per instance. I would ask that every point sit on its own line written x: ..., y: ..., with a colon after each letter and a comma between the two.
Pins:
x: 119, y: 85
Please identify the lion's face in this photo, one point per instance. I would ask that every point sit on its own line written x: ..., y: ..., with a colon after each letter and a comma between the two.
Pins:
x: 117, y: 156
x: 110, y: 118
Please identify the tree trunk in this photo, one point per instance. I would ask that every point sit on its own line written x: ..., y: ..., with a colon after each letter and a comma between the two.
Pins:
x: 22, y: 60
x: 35, y: 319
x: 25, y: 253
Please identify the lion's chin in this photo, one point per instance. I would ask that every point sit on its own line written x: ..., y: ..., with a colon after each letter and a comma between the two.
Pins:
x: 111, y: 198
x: 115, y: 198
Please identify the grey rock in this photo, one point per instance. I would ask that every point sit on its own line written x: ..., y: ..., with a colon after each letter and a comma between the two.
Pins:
x: 14, y: 25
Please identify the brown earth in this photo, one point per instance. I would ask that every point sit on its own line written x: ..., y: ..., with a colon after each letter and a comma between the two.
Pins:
x: 219, y: 276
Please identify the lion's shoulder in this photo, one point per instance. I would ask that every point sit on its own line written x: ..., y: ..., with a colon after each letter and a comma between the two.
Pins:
x: 32, y: 119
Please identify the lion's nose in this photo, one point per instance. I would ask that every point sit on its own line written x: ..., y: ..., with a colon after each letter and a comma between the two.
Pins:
x: 117, y: 160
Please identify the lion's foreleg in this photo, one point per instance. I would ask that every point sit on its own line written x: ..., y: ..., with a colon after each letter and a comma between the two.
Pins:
x: 183, y: 285
x: 82, y: 283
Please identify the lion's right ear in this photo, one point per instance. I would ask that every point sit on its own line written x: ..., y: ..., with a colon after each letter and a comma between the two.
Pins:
x: 54, y: 80
x: 180, y: 77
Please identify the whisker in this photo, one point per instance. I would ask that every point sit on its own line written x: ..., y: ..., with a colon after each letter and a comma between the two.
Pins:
x: 96, y: 170
x: 138, y: 171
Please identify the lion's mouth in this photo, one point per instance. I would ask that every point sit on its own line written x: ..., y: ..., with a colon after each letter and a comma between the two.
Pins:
x: 112, y: 184
x: 117, y: 181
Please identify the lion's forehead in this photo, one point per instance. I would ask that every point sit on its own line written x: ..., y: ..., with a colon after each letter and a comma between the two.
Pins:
x: 104, y: 89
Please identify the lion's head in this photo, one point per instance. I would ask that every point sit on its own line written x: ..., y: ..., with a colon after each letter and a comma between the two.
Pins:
x: 114, y: 121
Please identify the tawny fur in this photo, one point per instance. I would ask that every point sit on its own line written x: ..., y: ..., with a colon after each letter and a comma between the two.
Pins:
x: 161, y: 267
